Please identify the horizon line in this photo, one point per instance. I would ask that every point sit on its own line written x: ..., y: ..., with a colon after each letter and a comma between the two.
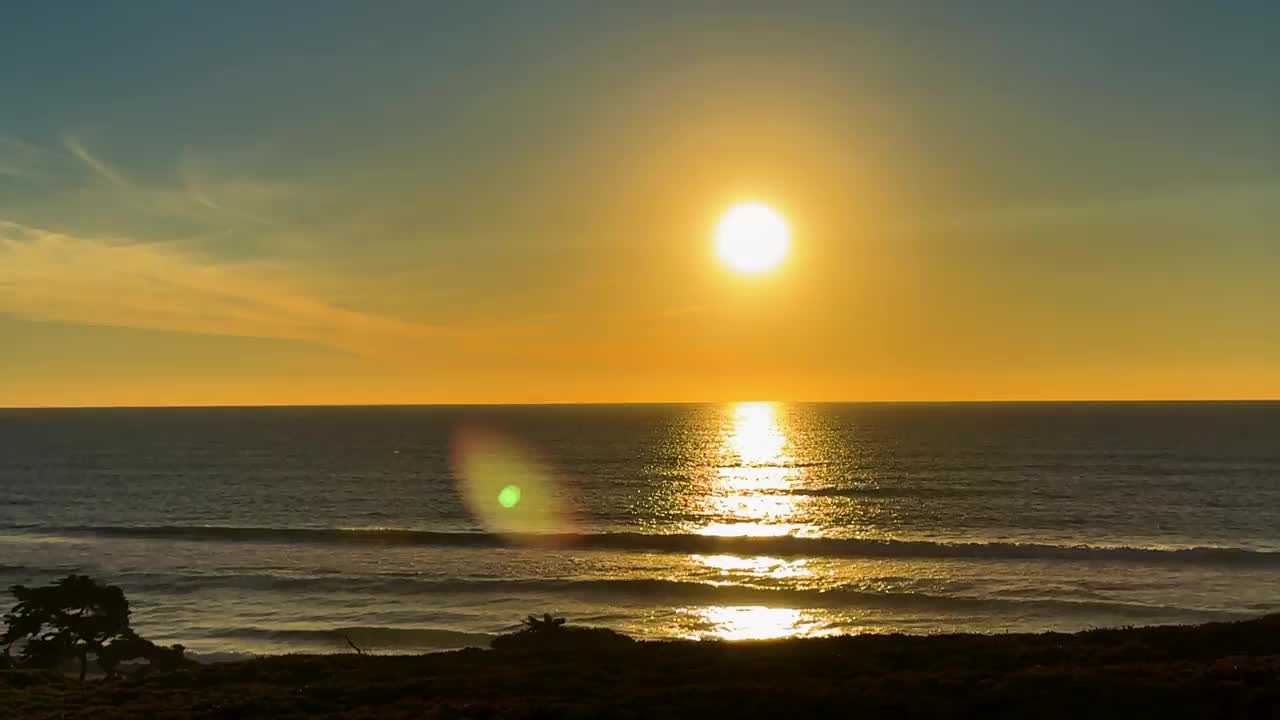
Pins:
x: 607, y: 403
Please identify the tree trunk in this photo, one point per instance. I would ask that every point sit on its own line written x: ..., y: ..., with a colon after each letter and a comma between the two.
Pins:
x: 84, y: 663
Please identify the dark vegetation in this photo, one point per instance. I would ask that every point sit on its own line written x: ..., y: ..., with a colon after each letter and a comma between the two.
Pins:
x: 74, y: 620
x: 552, y: 670
x: 550, y: 634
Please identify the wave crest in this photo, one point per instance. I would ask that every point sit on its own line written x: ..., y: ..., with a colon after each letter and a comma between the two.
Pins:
x: 786, y: 545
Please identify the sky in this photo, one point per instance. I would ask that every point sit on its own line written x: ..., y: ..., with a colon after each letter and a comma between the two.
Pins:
x: 505, y: 202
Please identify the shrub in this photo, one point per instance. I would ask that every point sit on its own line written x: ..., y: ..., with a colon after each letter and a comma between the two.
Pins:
x: 548, y: 633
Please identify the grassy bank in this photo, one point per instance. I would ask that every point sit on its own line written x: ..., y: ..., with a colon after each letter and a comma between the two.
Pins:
x: 1217, y: 670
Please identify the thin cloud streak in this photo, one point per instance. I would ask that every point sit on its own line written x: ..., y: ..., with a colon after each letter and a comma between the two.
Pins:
x: 102, y: 169
x: 52, y: 276
x: 202, y: 197
x: 221, y: 194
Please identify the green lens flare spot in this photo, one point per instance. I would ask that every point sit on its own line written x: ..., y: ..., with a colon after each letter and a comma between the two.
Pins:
x: 509, y: 496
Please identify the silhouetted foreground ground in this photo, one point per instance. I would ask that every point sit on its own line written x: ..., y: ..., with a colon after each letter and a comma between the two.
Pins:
x: 1220, y: 670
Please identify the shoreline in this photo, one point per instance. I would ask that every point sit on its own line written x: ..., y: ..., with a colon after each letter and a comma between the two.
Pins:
x: 1212, y: 670
x: 338, y: 645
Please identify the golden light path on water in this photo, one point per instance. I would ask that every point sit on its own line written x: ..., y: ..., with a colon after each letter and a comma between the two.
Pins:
x: 749, y: 496
x: 751, y: 622
x: 511, y: 492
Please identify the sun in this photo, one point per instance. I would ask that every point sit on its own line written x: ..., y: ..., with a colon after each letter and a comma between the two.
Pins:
x: 752, y: 238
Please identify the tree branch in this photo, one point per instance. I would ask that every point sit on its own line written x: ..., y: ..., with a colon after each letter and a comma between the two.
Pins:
x: 359, y: 650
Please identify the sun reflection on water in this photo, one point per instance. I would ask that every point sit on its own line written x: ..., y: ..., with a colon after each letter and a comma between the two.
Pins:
x: 748, y: 495
x: 759, y: 566
x: 749, y: 622
x: 755, y: 435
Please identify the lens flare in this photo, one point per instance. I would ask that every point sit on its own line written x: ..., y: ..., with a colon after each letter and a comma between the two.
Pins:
x: 509, y: 496
x: 507, y: 489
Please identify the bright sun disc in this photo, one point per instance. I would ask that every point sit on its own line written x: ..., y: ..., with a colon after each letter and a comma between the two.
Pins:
x: 752, y: 238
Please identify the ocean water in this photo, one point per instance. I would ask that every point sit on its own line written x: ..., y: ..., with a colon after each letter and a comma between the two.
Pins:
x: 263, y: 530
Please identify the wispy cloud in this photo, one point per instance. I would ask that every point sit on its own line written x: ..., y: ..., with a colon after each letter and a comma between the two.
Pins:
x: 211, y: 195
x: 231, y: 195
x: 105, y: 251
x: 53, y: 276
x: 163, y: 201
x: 102, y: 169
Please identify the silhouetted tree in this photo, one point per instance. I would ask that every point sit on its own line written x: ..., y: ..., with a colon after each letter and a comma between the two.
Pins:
x: 130, y: 646
x: 72, y: 618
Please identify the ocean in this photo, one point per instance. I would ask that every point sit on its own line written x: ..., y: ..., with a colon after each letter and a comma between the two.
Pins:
x: 267, y: 530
